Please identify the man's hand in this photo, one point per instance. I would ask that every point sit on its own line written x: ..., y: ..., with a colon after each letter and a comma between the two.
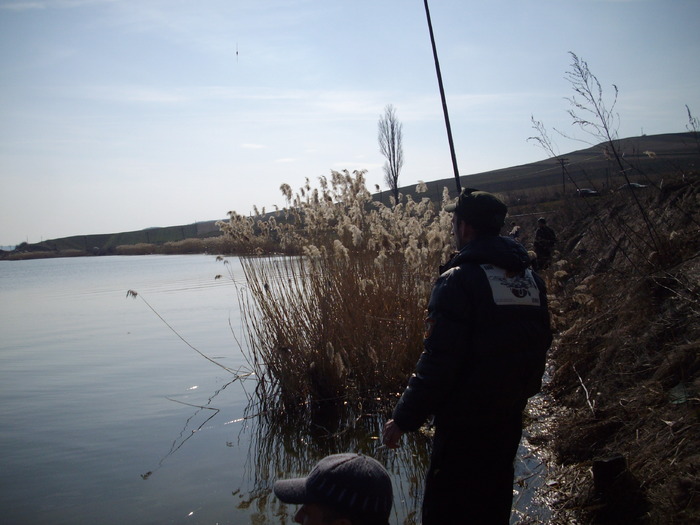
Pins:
x: 392, y: 434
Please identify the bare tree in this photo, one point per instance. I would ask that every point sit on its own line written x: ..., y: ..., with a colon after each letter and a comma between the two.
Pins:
x: 600, y: 121
x: 391, y: 146
x: 589, y: 110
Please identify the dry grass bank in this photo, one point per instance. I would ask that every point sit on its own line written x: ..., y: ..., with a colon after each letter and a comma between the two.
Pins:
x: 24, y: 256
x: 626, y: 365
x: 217, y: 245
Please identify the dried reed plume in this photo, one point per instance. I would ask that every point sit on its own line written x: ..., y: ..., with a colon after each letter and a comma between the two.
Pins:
x: 341, y: 323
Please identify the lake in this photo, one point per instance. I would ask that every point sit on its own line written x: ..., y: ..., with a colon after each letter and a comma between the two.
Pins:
x: 109, y: 415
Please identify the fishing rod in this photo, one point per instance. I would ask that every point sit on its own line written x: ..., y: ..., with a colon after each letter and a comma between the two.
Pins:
x: 444, y: 102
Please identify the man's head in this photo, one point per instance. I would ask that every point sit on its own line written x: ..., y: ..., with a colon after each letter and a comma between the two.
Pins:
x: 541, y: 221
x: 482, y: 212
x: 341, y: 489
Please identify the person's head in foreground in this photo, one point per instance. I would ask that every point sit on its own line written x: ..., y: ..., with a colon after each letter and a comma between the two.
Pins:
x: 342, y: 489
x: 476, y: 213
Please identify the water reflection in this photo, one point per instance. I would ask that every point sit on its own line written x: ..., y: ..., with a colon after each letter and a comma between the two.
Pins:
x: 282, y: 445
x: 192, y: 424
x: 285, y: 445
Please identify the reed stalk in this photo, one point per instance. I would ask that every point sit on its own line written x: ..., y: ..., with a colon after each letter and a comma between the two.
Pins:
x: 342, y: 323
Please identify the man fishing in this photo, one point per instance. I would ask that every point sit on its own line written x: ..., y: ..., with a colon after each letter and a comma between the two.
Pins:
x: 487, y: 334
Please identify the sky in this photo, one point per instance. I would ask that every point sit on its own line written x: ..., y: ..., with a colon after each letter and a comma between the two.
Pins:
x: 120, y: 115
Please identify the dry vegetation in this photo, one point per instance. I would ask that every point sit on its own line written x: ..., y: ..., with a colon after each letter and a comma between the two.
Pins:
x: 21, y: 256
x: 341, y: 324
x: 626, y: 365
x: 216, y: 245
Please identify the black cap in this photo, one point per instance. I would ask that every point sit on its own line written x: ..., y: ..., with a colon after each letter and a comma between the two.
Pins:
x: 352, y: 483
x: 480, y: 208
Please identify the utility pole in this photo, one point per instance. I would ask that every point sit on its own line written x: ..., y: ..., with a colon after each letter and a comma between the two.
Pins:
x: 563, y: 162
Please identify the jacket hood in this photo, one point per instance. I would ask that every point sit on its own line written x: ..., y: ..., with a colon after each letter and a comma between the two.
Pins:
x: 503, y: 252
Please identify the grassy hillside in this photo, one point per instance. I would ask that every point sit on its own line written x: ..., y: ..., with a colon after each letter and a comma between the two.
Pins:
x: 114, y: 243
x: 587, y: 168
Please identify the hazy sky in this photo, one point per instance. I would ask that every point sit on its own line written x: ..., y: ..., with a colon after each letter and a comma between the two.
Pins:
x: 119, y: 115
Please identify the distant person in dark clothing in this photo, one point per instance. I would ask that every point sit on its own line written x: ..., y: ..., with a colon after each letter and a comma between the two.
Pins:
x: 342, y: 489
x: 487, y: 335
x: 544, y: 244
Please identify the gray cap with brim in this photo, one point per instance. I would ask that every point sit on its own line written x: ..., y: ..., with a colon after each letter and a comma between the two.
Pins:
x: 352, y: 483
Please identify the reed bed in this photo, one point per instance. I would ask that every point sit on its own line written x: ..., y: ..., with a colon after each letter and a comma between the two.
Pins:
x: 341, y: 323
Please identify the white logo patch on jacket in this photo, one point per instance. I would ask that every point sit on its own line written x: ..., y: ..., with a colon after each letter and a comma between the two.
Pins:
x: 516, y: 290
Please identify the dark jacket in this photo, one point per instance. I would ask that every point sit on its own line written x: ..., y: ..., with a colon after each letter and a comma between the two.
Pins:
x: 487, y: 335
x: 545, y: 238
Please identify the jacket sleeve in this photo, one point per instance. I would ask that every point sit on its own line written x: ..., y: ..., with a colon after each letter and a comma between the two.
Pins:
x: 443, y: 353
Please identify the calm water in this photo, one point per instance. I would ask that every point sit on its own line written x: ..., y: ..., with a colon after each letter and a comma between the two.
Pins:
x: 107, y: 416
x: 87, y: 379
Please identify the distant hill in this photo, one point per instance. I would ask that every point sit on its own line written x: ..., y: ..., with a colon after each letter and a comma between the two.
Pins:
x: 657, y: 154
x: 106, y: 243
x: 671, y: 152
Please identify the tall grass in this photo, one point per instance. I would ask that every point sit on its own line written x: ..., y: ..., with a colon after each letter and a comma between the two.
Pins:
x: 342, y: 323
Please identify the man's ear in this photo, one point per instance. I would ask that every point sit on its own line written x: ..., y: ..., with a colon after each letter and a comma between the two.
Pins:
x: 460, y: 227
x: 467, y: 232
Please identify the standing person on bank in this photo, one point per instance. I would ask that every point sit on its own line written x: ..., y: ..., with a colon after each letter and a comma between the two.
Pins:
x: 487, y: 335
x: 545, y: 239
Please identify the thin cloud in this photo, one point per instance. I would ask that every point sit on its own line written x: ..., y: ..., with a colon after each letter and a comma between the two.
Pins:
x: 137, y: 94
x: 51, y: 4
x: 356, y: 164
